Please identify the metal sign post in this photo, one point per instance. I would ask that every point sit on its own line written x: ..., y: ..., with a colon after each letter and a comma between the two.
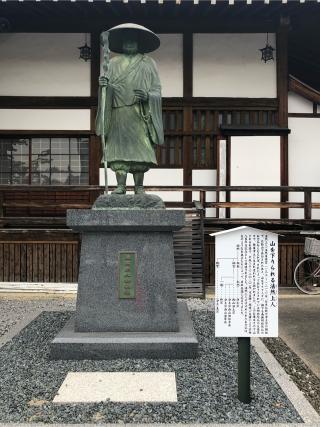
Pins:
x: 244, y: 393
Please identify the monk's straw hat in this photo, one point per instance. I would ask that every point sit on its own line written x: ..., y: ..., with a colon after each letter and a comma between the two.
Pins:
x: 147, y: 40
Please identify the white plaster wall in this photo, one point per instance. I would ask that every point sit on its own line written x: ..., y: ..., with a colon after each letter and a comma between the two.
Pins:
x: 304, y: 160
x: 33, y: 119
x: 170, y: 65
x: 43, y: 65
x: 298, y: 104
x: 205, y: 177
x: 229, y: 65
x: 155, y: 177
x: 255, y: 160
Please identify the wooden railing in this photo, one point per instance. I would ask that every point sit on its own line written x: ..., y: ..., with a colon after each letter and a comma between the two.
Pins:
x: 26, y: 207
x: 55, y: 200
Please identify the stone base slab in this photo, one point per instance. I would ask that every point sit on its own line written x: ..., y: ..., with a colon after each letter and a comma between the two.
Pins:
x: 183, y: 344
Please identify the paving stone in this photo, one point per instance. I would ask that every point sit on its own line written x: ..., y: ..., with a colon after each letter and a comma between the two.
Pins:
x: 81, y: 387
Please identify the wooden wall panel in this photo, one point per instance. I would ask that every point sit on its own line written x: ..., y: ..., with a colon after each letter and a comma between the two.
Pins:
x: 42, y: 261
x: 55, y: 259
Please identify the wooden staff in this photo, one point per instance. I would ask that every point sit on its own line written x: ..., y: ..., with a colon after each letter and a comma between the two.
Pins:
x: 104, y: 39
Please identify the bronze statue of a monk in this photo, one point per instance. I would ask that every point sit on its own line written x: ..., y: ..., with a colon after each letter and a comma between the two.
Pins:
x: 130, y: 114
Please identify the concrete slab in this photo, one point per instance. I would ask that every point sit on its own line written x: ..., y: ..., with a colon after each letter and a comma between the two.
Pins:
x: 183, y: 344
x: 299, y: 319
x: 84, y: 387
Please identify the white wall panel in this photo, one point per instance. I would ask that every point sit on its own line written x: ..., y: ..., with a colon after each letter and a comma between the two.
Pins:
x: 255, y: 160
x: 170, y: 65
x: 43, y: 65
x: 205, y: 177
x: 24, y: 119
x: 229, y: 65
x: 155, y: 177
x: 304, y: 155
x: 298, y: 104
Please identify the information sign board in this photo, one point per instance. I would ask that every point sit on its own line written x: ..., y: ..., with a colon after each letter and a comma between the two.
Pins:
x: 246, y: 277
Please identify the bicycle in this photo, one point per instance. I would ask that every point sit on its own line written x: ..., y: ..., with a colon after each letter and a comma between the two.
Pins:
x: 307, y: 271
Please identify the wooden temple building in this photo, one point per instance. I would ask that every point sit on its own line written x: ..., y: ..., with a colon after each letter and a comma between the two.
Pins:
x: 242, y: 134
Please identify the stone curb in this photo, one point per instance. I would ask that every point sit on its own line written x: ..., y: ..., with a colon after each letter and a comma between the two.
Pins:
x: 18, y: 327
x: 296, y: 397
x: 159, y: 425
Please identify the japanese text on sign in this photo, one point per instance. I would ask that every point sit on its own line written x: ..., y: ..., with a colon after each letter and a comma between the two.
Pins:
x: 246, y: 283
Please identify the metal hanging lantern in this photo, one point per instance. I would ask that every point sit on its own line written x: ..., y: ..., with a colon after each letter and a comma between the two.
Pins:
x: 4, y: 25
x: 85, y: 51
x: 267, y: 52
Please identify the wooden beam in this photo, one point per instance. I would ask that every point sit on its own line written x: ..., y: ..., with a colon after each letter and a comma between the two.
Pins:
x: 49, y: 133
x: 95, y: 64
x: 187, y: 65
x: 305, y: 115
x: 187, y: 160
x: 212, y: 188
x: 228, y: 172
x: 282, y: 72
x: 187, y: 113
x: 70, y: 19
x: 83, y: 102
x: 47, y: 102
x: 95, y: 152
x: 94, y: 143
x: 282, y: 93
x: 253, y: 130
x: 304, y: 90
x: 255, y: 205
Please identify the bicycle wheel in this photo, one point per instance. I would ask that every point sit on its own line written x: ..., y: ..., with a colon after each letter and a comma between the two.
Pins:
x: 307, y: 275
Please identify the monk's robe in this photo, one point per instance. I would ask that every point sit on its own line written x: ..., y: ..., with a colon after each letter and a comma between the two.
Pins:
x: 131, y: 127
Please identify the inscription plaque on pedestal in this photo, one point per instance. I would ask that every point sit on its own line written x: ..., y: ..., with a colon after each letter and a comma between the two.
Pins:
x: 127, y: 275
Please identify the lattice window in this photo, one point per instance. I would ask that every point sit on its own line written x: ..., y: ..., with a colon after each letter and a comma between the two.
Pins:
x: 248, y: 117
x: 172, y: 120
x: 204, y: 152
x: 44, y: 161
x: 204, y: 140
x: 203, y: 120
x: 170, y: 155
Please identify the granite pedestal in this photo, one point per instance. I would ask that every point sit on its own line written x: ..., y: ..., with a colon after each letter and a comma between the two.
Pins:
x: 182, y: 344
x: 118, y: 316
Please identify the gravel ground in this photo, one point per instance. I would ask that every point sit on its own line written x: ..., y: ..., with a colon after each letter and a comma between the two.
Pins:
x: 207, y: 387
x: 298, y: 371
x: 13, y: 311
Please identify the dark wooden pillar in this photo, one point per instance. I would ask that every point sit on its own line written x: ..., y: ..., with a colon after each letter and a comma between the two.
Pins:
x: 187, y: 113
x: 228, y: 173
x: 282, y: 94
x: 94, y: 143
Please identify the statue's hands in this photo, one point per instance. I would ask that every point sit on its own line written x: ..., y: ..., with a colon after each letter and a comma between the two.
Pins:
x: 141, y: 95
x: 103, y: 81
